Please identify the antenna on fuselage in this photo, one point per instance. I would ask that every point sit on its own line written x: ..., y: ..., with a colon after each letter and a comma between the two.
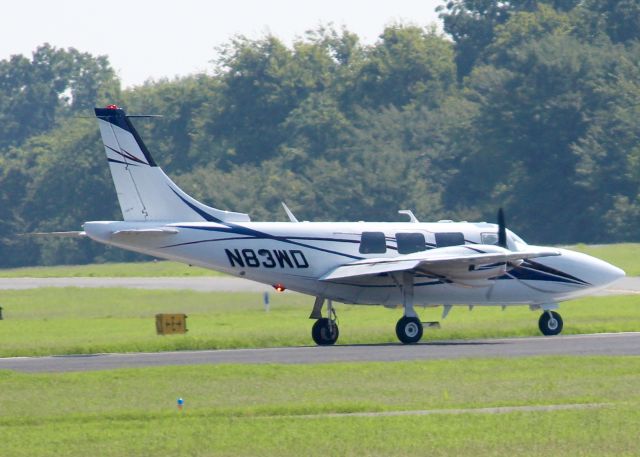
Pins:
x: 292, y: 218
x: 408, y: 212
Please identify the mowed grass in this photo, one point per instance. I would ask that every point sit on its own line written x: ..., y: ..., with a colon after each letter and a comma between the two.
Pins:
x: 160, y: 268
x: 282, y: 410
x: 84, y: 321
x: 624, y: 256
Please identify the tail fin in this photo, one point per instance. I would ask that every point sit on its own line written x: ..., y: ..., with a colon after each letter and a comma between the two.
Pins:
x: 145, y: 193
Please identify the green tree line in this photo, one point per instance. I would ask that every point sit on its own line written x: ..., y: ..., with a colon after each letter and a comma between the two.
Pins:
x: 527, y: 105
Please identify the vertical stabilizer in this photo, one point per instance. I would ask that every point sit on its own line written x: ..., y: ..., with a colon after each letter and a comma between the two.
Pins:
x: 145, y: 193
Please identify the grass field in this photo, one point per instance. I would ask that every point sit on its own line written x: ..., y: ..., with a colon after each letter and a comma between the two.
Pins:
x: 281, y: 410
x: 81, y: 321
x: 106, y: 270
x: 294, y: 410
x: 624, y: 255
x: 621, y: 255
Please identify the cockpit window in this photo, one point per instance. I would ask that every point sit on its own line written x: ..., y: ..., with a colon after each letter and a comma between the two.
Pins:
x: 449, y: 239
x: 514, y: 242
x: 410, y: 242
x: 373, y: 243
x: 489, y: 238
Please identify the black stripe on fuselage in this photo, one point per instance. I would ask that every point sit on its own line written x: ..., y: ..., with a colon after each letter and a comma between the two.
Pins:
x: 541, y: 268
x: 381, y: 286
x: 529, y: 271
x: 206, y: 216
x: 251, y: 234
x: 479, y: 251
x: 534, y: 271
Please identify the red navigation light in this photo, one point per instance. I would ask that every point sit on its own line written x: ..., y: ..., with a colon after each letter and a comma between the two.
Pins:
x: 279, y: 287
x: 112, y: 106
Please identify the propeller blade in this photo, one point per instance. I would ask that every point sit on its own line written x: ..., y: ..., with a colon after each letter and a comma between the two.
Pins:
x: 502, y: 230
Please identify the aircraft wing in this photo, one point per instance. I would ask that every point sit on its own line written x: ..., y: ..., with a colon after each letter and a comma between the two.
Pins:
x: 371, y: 267
x: 446, y: 262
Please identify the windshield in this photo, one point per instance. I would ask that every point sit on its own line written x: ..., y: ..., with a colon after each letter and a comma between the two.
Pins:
x: 514, y: 242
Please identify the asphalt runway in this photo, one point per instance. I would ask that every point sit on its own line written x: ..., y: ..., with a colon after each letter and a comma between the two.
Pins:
x: 199, y: 283
x: 581, y: 345
x: 624, y: 286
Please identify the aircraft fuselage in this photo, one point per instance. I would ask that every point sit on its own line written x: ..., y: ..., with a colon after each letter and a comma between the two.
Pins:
x: 297, y: 255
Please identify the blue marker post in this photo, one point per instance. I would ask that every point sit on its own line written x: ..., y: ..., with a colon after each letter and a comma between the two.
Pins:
x: 266, y: 302
x: 180, y: 404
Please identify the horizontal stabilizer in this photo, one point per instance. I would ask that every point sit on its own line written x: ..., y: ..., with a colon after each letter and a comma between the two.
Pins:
x: 161, y: 231
x: 72, y: 234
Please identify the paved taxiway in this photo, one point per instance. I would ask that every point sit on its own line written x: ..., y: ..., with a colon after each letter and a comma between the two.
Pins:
x: 596, y: 344
x: 624, y: 286
x: 199, y: 283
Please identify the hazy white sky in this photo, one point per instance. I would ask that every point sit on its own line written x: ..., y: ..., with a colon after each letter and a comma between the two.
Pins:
x: 153, y: 39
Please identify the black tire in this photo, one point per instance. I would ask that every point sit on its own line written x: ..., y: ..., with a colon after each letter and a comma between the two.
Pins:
x: 409, y: 330
x: 550, y: 325
x: 324, y: 334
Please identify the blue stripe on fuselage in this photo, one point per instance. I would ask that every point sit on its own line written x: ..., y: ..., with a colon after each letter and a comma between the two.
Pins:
x: 251, y: 234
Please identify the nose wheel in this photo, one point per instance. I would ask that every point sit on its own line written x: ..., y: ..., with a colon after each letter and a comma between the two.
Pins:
x: 550, y: 323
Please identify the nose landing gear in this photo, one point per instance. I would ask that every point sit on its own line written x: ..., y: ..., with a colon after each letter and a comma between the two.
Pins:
x: 550, y: 323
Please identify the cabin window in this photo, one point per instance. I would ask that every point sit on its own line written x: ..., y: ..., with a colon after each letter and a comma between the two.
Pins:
x: 449, y: 239
x: 373, y: 243
x: 489, y: 238
x: 410, y: 242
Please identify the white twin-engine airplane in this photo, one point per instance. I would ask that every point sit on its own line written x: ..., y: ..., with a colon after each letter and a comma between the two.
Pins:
x: 390, y: 264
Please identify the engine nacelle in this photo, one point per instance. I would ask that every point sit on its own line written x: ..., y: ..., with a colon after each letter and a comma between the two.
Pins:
x: 492, y: 270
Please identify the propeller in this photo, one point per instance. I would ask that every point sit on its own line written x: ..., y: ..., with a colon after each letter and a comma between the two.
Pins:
x: 502, y: 230
x: 502, y: 242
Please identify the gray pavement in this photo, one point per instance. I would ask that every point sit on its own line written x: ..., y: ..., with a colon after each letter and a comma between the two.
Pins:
x: 629, y: 285
x: 199, y: 283
x: 624, y: 286
x: 596, y: 344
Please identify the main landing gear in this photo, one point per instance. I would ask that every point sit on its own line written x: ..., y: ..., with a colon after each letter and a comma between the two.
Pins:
x: 325, y: 330
x: 550, y: 323
x: 409, y: 328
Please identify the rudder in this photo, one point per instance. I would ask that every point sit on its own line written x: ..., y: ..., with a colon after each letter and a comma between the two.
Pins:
x: 145, y: 192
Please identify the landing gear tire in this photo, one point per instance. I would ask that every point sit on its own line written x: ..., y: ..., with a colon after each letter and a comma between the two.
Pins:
x: 550, y: 323
x: 409, y: 330
x: 325, y: 332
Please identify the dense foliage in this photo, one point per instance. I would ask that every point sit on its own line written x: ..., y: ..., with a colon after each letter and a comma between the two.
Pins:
x: 530, y: 105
